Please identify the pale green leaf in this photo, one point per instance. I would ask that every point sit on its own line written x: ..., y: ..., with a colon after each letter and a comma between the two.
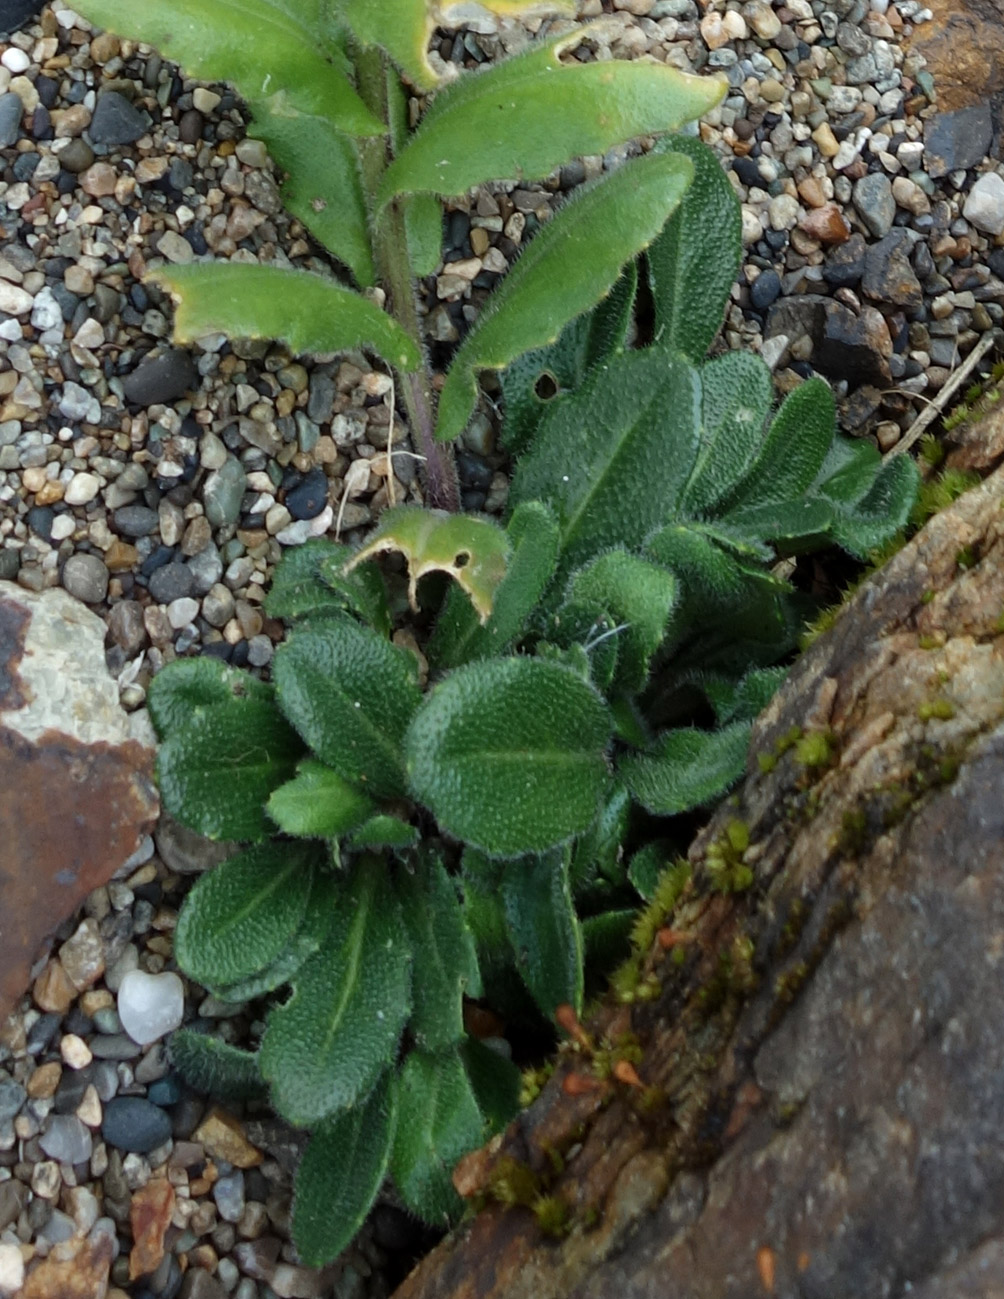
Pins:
x: 543, y: 928
x: 471, y: 551
x: 510, y: 754
x: 260, y: 46
x: 308, y: 312
x: 446, y: 961
x: 318, y: 802
x: 438, y: 1120
x: 571, y: 264
x: 326, y: 1046
x: 341, y: 1173
x: 693, y: 263
x: 688, y: 769
x: 384, y: 831
x: 350, y: 693
x: 524, y: 116
x: 240, y: 915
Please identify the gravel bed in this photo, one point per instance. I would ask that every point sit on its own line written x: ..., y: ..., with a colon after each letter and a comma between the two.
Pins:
x: 161, y: 486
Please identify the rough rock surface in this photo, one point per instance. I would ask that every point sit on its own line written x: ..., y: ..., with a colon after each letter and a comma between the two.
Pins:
x: 964, y: 49
x: 78, y: 793
x: 823, y: 1067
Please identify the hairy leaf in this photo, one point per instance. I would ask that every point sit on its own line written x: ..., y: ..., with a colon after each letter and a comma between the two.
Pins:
x: 384, y: 831
x: 524, y: 116
x: 350, y: 693
x: 188, y: 685
x: 736, y: 396
x: 446, y: 961
x: 326, y: 1046
x: 260, y: 46
x: 341, y: 1173
x: 544, y: 930
x: 567, y: 268
x: 215, y: 1068
x: 509, y: 754
x: 471, y: 551
x: 308, y: 312
x: 866, y: 524
x: 688, y: 769
x: 495, y: 1081
x: 310, y: 579
x: 438, y: 1120
x: 241, y: 915
x: 690, y: 270
x: 596, y: 855
x: 318, y: 802
x: 459, y: 636
x: 217, y: 771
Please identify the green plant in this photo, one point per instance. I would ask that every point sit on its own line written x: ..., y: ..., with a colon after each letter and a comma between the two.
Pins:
x: 473, y: 815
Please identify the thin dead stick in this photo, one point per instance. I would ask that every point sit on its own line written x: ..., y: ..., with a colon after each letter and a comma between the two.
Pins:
x: 390, y: 454
x: 938, y: 403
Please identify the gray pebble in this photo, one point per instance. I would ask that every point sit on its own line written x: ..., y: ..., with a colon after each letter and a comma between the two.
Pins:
x: 228, y: 1192
x: 77, y: 156
x: 959, y: 140
x: 874, y: 203
x: 114, y: 1046
x: 165, y: 378
x: 206, y: 569
x: 199, y: 1284
x: 12, y: 1097
x: 135, y: 520
x: 170, y: 582
x: 86, y: 578
x: 66, y: 1140
x: 223, y: 493
x: 11, y: 110
x: 116, y: 121
x: 132, y: 1123
x: 125, y: 624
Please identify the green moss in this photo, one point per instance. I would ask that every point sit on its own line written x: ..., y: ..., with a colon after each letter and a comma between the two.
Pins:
x: 853, y: 832
x: 512, y: 1182
x: 767, y: 761
x: 552, y: 1214
x: 940, y: 709
x: 787, y: 986
x: 930, y: 642
x: 927, y: 597
x: 726, y: 868
x: 966, y: 557
x: 931, y: 451
x: 815, y: 749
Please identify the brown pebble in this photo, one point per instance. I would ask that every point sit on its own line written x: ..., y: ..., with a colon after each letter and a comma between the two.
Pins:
x: 827, y: 224
x: 54, y: 990
x: 44, y: 1081
x: 223, y: 1136
x: 190, y: 126
x: 99, y: 180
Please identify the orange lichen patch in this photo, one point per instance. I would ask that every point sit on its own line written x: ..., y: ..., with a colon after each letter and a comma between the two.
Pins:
x: 568, y: 1020
x: 149, y: 1216
x: 765, y: 1267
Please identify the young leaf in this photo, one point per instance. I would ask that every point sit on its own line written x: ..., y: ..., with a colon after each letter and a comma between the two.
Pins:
x: 322, y: 187
x: 471, y: 551
x: 640, y: 596
x: 384, y: 831
x: 645, y: 869
x: 544, y: 930
x: 743, y: 700
x: 310, y: 580
x: 404, y: 27
x: 445, y: 957
x: 215, y: 1068
x: 326, y: 1046
x: 596, y: 855
x: 509, y: 754
x: 438, y: 1120
x: 308, y: 312
x: 318, y: 802
x: 188, y: 685
x: 459, y: 636
x: 495, y: 1081
x: 241, y: 915
x: 690, y: 273
x: 341, y: 1173
x: 567, y: 268
x: 217, y: 771
x: 350, y: 693
x: 688, y: 769
x: 524, y: 116
x: 869, y: 522
x: 639, y: 411
x: 257, y: 45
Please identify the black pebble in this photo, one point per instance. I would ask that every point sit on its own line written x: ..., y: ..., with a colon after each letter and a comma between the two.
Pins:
x: 133, y: 1124
x: 40, y: 520
x: 171, y: 582
x: 765, y: 290
x: 309, y: 497
x: 747, y: 171
x: 135, y: 520
x: 15, y: 12
x: 165, y: 378
x: 116, y: 121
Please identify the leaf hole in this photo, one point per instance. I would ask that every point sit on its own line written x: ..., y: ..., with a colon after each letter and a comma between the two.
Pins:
x: 462, y: 559
x: 546, y: 386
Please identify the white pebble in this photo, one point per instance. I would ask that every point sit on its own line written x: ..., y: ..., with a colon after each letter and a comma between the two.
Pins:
x: 985, y: 205
x: 15, y: 60
x: 182, y: 611
x: 11, y: 1269
x: 75, y: 1051
x: 150, y: 1005
x: 15, y: 301
x: 81, y: 488
x: 63, y: 526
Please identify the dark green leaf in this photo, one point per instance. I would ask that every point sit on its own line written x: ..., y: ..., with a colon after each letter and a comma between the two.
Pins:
x: 350, y: 693
x: 688, y: 769
x: 438, y: 1120
x: 509, y: 754
x: 341, y: 1173
x: 188, y: 685
x: 544, y: 930
x: 446, y: 962
x: 326, y: 1046
x: 743, y: 700
x: 495, y: 1080
x: 596, y: 854
x: 240, y: 916
x: 645, y: 869
x: 876, y: 518
x: 215, y: 1068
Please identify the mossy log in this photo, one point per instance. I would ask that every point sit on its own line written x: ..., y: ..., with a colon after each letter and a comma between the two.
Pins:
x: 821, y: 1063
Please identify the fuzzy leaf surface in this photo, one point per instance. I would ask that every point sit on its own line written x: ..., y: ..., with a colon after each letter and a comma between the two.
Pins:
x: 877, y: 516
x: 543, y: 928
x: 639, y: 411
x: 310, y: 580
x: 736, y: 396
x: 318, y: 802
x: 384, y: 831
x: 326, y: 1046
x: 240, y: 915
x: 341, y: 1173
x: 495, y: 1081
x: 215, y: 1068
x: 446, y: 961
x: 571, y: 264
x: 688, y: 769
x: 459, y: 636
x: 350, y: 693
x: 438, y: 1121
x: 526, y: 115
x: 190, y: 684
x: 308, y: 312
x: 690, y: 273
x: 260, y: 46
x: 472, y: 551
x: 217, y: 771
x: 510, y: 754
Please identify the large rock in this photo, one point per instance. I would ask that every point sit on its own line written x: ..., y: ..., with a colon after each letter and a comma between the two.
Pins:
x: 75, y: 771
x: 822, y: 1072
x: 855, y: 346
x: 964, y: 49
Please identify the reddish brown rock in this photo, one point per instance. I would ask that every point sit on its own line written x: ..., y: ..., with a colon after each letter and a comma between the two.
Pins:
x: 964, y: 49
x: 149, y: 1216
x: 78, y: 785
x: 826, y: 224
x: 74, y: 1269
